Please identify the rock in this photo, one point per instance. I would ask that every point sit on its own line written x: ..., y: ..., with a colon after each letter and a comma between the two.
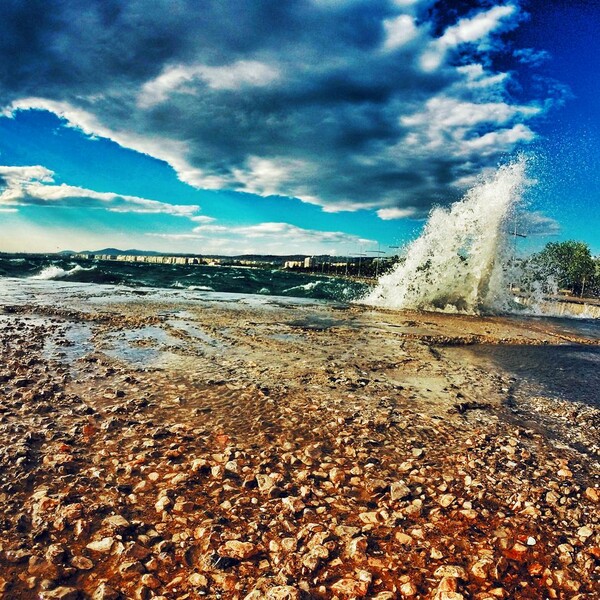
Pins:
x: 60, y: 593
x: 293, y: 504
x: 517, y: 552
x: 448, y: 584
x: 454, y: 571
x: 105, y: 592
x: 592, y: 494
x: 198, y: 580
x: 403, y: 538
x: 184, y: 506
x: 115, y: 522
x: 104, y: 545
x: 448, y: 596
x: 265, y: 482
x: 408, y: 589
x: 283, y: 592
x: 56, y: 554
x: 369, y: 518
x: 238, y: 550
x: 480, y: 569
x: 446, y: 500
x: 131, y: 570
x: 163, y: 503
x: 585, y: 532
x: 350, y: 588
x: 82, y: 563
x: 357, y: 547
x: 399, y: 490
x: 22, y: 382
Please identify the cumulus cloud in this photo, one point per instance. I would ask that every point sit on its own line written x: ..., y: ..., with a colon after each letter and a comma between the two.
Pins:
x: 354, y: 104
x: 389, y: 214
x: 237, y: 76
x: 536, y: 223
x: 34, y: 185
x: 269, y: 238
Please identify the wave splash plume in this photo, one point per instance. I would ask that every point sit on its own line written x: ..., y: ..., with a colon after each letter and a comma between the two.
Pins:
x: 55, y: 272
x: 460, y: 263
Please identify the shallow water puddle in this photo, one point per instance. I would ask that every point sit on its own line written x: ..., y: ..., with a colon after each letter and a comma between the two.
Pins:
x: 145, y: 347
x: 71, y: 345
x: 194, y: 332
x: 569, y: 372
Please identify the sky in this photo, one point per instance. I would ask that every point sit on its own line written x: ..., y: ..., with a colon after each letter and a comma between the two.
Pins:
x: 304, y: 126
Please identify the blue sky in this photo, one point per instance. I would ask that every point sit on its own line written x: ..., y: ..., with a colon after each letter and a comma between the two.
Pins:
x: 310, y: 126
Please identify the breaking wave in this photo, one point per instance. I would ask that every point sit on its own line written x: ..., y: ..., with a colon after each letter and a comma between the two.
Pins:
x: 461, y: 261
x: 55, y: 272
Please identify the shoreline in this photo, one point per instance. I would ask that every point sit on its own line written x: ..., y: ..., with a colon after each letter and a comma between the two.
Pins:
x: 154, y: 449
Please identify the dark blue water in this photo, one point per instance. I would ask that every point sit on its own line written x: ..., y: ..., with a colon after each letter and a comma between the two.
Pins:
x: 275, y: 282
x: 566, y: 371
x: 569, y: 372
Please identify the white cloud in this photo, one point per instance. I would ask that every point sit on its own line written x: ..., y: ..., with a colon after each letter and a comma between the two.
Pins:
x: 202, y: 219
x: 476, y: 28
x: 389, y: 214
x: 267, y: 177
x: 503, y: 138
x: 459, y: 127
x: 172, y: 151
x: 399, y: 31
x: 476, y: 77
x: 33, y: 185
x: 274, y: 237
x: 467, y: 31
x: 235, y: 76
x: 536, y: 223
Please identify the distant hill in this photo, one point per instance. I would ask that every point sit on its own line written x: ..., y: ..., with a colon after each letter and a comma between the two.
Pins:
x: 117, y: 252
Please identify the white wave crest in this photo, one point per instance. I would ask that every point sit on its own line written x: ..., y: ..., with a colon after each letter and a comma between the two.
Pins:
x: 54, y: 272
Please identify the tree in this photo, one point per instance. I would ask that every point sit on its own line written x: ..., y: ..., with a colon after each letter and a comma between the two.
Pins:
x: 569, y: 263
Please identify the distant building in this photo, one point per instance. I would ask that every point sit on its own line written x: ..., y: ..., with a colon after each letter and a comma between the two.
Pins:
x: 309, y: 262
x: 293, y: 264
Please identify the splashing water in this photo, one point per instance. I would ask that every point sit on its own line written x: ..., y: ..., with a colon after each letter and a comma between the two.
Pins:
x: 460, y: 262
x: 55, y: 272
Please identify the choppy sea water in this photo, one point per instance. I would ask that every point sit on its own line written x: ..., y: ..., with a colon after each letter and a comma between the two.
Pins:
x: 236, y: 280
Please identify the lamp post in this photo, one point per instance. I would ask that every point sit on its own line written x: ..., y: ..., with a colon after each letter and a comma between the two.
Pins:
x: 377, y: 263
x: 359, y: 255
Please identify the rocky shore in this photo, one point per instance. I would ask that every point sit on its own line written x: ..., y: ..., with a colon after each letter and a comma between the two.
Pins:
x: 225, y: 450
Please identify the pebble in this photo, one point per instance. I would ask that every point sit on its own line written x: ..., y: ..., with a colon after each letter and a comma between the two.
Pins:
x: 104, y: 545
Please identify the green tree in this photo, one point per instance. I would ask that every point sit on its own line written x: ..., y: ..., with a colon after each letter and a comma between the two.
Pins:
x: 569, y: 263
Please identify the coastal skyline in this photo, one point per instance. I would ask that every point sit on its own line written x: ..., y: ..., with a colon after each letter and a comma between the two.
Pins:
x: 310, y: 127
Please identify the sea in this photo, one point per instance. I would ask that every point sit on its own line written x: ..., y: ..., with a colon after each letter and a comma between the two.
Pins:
x: 221, y: 278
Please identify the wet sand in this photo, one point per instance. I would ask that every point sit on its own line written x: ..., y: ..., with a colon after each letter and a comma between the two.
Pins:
x: 152, y: 448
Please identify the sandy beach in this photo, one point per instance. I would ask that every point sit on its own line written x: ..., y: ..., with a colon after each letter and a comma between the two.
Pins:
x: 174, y: 449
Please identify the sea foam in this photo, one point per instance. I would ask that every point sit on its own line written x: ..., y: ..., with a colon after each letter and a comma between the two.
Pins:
x: 55, y: 272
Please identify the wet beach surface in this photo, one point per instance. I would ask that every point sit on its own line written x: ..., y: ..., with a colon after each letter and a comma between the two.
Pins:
x: 189, y: 445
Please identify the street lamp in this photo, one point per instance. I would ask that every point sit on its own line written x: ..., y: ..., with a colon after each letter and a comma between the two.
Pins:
x: 377, y: 263
x: 359, y: 255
